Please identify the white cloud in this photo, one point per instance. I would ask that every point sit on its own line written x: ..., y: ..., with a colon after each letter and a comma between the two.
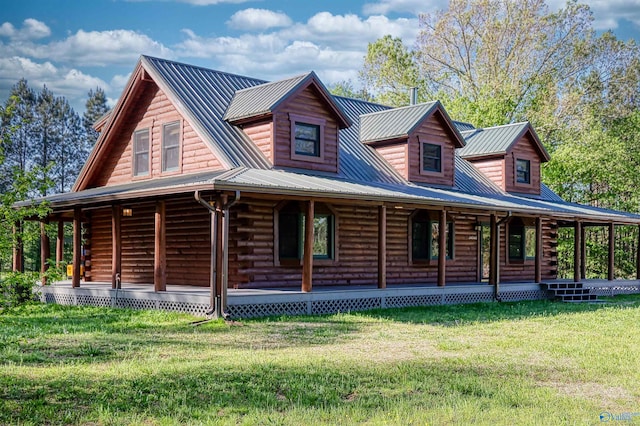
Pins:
x: 399, y: 6
x: 32, y: 29
x: 211, y: 2
x: 258, y: 19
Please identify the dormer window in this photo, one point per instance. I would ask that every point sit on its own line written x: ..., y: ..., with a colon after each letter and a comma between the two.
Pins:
x: 307, y: 138
x: 431, y: 157
x: 523, y: 171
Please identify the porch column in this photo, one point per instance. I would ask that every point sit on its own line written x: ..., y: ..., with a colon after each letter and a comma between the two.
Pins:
x: 539, y: 251
x: 18, y: 253
x: 612, y: 249
x: 577, y: 252
x: 116, y: 248
x: 382, y: 247
x: 307, y: 260
x: 160, y: 249
x: 77, y: 247
x: 493, y: 251
x: 442, y: 248
x: 60, y: 243
x: 583, y: 253
x: 45, y: 250
x: 638, y: 256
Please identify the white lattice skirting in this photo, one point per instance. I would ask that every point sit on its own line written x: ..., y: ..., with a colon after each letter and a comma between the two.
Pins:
x: 288, y: 302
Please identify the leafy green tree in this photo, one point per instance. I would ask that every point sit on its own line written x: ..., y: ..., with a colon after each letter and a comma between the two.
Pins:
x: 345, y: 89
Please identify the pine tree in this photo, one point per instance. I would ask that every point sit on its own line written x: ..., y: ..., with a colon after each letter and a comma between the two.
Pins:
x: 96, y: 108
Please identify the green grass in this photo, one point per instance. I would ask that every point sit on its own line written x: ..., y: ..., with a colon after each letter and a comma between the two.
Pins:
x: 512, y: 363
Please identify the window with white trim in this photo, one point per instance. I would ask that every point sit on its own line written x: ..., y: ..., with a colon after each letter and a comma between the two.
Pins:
x: 141, y: 152
x: 171, y: 146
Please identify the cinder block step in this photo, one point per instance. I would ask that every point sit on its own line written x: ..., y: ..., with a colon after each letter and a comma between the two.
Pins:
x: 569, y: 292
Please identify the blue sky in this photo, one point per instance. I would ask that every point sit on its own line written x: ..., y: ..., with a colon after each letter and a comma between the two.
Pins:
x: 75, y: 45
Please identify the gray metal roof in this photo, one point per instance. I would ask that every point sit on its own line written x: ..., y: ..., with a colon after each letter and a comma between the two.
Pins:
x: 203, y: 95
x: 492, y: 140
x: 393, y: 123
x: 261, y: 99
x: 462, y: 126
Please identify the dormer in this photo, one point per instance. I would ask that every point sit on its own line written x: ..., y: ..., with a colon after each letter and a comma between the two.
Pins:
x: 419, y: 141
x: 294, y: 122
x: 509, y: 155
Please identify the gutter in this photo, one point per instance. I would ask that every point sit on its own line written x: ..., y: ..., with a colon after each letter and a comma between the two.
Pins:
x: 213, y: 300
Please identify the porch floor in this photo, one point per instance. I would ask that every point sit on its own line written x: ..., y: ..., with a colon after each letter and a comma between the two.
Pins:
x: 323, y: 299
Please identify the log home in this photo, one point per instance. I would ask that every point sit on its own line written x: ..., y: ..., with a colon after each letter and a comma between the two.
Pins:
x: 204, y: 178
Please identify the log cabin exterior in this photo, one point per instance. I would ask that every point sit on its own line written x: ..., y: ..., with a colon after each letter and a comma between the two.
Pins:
x: 205, y: 178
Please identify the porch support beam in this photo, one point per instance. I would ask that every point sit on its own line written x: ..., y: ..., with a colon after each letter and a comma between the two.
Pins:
x: 638, y: 256
x: 77, y: 246
x: 307, y: 257
x: 442, y: 248
x: 45, y: 250
x: 583, y: 252
x: 382, y: 246
x: 116, y: 247
x: 493, y: 250
x: 160, y: 249
x: 60, y: 243
x: 577, y: 252
x: 539, y: 251
x: 612, y: 247
x: 18, y: 253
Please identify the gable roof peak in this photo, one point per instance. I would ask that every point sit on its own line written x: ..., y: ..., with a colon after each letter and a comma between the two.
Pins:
x: 497, y: 140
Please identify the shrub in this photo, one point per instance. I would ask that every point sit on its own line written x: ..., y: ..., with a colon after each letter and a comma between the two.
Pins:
x: 16, y: 288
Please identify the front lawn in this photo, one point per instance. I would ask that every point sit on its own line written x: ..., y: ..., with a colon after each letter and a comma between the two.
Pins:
x: 513, y: 363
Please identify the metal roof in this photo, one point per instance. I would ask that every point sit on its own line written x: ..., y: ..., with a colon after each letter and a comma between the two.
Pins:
x: 261, y: 99
x: 492, y: 140
x: 393, y: 123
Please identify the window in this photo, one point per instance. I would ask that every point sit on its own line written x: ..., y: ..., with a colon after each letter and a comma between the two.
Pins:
x: 171, y: 146
x: 425, y: 238
x: 522, y: 241
x: 431, y: 157
x: 291, y: 222
x: 307, y: 139
x: 141, y: 153
x: 523, y: 171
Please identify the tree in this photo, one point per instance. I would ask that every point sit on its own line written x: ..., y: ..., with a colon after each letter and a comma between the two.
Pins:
x: 345, y: 89
x: 96, y: 108
x: 390, y: 71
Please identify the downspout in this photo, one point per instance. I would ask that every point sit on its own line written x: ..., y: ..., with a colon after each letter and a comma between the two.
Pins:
x: 225, y: 253
x: 496, y: 289
x: 213, y: 302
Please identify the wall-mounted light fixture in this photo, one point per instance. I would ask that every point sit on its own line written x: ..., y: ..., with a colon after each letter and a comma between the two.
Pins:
x: 478, y: 227
x: 127, y: 212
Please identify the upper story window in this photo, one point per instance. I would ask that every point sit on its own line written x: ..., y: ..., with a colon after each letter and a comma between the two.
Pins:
x: 431, y: 157
x: 141, y: 152
x: 171, y: 146
x: 307, y: 138
x: 425, y: 234
x: 523, y: 171
x: 291, y: 223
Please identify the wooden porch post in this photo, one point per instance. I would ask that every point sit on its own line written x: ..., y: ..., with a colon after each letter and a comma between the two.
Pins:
x: 116, y: 248
x: 539, y: 251
x: 577, y: 252
x: 160, y: 249
x: 493, y: 251
x: 18, y: 253
x: 77, y: 247
x: 60, y: 243
x: 612, y: 249
x: 583, y: 253
x: 307, y: 260
x: 382, y: 246
x: 45, y: 250
x: 638, y: 256
x: 442, y: 248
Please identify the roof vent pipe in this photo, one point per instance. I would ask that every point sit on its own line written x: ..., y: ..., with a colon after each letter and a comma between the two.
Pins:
x: 413, y: 96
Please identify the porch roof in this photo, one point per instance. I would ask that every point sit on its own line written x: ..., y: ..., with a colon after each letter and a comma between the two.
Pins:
x: 297, y: 183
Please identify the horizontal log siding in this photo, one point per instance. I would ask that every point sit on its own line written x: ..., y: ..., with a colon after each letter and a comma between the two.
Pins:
x: 523, y: 149
x: 305, y: 103
x: 153, y: 110
x: 262, y: 134
x: 188, y: 228
x: 138, y: 236
x: 101, y: 244
x: 396, y: 155
x: 433, y: 131
x: 493, y: 168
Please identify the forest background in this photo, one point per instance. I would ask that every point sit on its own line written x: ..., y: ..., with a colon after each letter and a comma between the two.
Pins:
x: 490, y: 62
